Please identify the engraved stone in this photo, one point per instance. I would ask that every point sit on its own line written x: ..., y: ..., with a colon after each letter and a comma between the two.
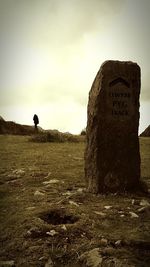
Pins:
x: 112, y: 159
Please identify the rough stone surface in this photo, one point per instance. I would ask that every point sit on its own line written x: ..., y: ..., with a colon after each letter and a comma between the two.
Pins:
x: 112, y: 159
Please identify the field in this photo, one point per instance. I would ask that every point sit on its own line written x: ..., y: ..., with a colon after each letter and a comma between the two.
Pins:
x: 48, y: 219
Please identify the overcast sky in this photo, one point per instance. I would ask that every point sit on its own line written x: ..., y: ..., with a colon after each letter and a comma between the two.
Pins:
x: 51, y: 50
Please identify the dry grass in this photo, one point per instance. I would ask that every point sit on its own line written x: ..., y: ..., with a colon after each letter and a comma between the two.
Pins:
x: 56, y: 136
x: 56, y: 170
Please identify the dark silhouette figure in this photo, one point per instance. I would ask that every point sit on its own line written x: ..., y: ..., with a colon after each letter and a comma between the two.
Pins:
x: 36, y: 120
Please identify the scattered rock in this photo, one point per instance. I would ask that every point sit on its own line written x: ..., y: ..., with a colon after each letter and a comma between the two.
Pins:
x: 19, y: 171
x: 48, y: 175
x: 133, y: 215
x: 83, y: 234
x: 81, y: 190
x: 107, y: 207
x: 16, y: 173
x: 120, y: 212
x: 73, y: 203
x: 28, y: 233
x: 91, y: 258
x: 144, y: 203
x: 7, y: 263
x: 68, y: 193
x: 100, y: 213
x: 38, y: 193
x: 140, y: 210
x: 34, y: 232
x: 15, y: 182
x: 77, y: 158
x: 52, y: 233
x: 103, y: 242
x: 64, y: 227
x: 30, y: 208
x: 144, y: 209
x: 52, y: 181
x: 118, y: 243
x: 49, y: 263
x: 133, y: 201
x: 42, y: 258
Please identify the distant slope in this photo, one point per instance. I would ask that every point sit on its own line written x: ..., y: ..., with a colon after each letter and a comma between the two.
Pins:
x: 10, y: 127
x: 146, y: 132
x: 1, y: 118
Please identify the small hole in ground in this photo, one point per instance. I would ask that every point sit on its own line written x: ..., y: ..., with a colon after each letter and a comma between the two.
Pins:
x: 57, y: 217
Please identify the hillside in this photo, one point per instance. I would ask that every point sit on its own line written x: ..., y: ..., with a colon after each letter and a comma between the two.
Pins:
x: 10, y: 127
x: 1, y: 118
x: 146, y: 132
x: 40, y: 135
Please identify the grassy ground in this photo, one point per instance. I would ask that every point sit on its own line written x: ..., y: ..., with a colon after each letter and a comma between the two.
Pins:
x: 46, y: 213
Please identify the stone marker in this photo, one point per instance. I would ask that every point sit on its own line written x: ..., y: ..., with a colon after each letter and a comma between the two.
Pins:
x: 112, y: 159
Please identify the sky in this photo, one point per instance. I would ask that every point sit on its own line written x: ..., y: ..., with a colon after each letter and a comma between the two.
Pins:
x: 51, y: 51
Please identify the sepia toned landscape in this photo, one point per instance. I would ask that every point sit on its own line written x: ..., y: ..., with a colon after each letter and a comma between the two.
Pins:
x: 48, y: 219
x: 74, y: 133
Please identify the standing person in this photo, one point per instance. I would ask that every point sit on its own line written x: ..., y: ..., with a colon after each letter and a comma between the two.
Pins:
x: 36, y: 120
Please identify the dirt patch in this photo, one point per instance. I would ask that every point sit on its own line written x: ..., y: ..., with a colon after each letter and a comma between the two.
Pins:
x: 57, y: 217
